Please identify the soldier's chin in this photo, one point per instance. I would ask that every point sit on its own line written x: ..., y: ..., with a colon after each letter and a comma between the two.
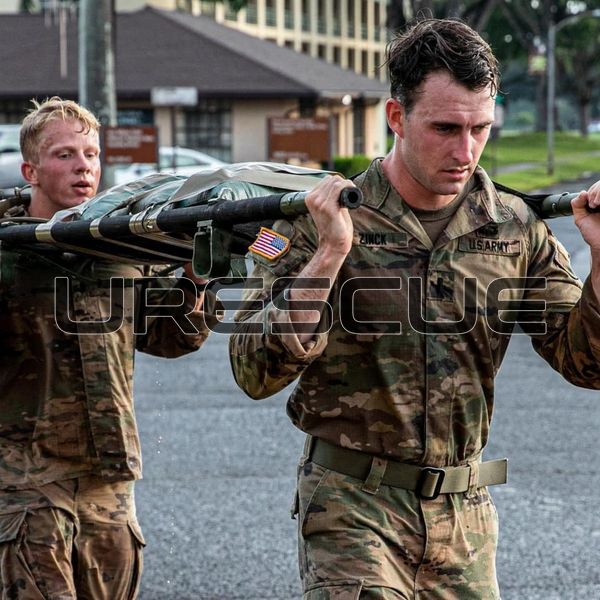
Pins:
x: 76, y: 201
x: 450, y: 189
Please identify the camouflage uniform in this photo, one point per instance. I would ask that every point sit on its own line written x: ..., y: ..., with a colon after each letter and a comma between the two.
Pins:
x: 414, y: 385
x: 69, y: 447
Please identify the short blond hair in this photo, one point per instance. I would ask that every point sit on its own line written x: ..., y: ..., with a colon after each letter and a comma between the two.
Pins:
x: 49, y: 110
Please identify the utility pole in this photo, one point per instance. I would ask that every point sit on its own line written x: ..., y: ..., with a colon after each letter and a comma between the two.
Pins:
x: 97, y: 66
x: 97, y: 59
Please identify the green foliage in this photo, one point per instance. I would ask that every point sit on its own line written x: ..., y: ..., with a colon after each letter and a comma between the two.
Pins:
x: 520, y: 160
x: 237, y: 4
x: 351, y: 165
x: 475, y: 12
x: 234, y: 5
x: 27, y: 6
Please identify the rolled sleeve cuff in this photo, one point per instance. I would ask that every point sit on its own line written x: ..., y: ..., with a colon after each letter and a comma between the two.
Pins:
x: 590, y: 313
x: 277, y: 320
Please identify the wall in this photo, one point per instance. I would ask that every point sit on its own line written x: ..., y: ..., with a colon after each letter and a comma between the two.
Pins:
x: 249, y: 127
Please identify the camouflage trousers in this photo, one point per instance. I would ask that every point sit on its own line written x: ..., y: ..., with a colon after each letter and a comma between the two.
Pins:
x: 390, y: 544
x: 71, y: 540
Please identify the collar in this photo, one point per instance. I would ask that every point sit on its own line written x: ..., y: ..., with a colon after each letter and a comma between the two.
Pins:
x: 480, y: 207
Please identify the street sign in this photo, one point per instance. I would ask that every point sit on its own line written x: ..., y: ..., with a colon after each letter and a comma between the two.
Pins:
x: 126, y: 145
x: 174, y: 96
x: 305, y: 140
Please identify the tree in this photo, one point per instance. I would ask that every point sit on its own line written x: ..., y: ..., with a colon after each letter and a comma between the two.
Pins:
x: 577, y: 51
x: 475, y: 12
x: 27, y: 6
x: 234, y: 5
x: 525, y: 23
x: 33, y: 6
x: 530, y: 22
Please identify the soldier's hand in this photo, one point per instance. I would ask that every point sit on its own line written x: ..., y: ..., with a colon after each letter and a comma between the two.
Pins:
x: 188, y: 271
x: 333, y: 221
x: 587, y: 222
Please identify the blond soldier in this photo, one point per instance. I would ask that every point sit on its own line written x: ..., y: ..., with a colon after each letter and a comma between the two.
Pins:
x: 396, y: 383
x: 69, y: 448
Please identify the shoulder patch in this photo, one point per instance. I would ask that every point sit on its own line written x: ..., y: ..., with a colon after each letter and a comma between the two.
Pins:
x: 270, y: 244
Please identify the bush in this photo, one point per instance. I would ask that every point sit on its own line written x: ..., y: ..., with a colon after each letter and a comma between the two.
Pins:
x: 351, y: 165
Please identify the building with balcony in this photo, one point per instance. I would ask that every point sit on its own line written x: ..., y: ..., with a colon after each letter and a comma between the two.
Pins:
x: 349, y: 33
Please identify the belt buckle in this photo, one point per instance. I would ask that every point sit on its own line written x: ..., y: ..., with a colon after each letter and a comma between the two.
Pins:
x: 425, y: 472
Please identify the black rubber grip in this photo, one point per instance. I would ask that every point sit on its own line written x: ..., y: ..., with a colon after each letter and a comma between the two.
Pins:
x: 351, y: 197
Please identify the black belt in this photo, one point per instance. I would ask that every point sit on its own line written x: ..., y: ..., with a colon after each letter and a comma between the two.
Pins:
x: 427, y: 482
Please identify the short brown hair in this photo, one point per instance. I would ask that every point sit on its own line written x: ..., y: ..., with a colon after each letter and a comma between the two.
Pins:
x: 51, y: 109
x: 439, y: 44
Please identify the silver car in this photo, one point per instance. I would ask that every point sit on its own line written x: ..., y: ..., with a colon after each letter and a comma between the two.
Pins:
x: 182, y: 161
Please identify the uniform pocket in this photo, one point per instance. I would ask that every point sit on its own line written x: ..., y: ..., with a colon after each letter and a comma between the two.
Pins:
x: 110, y: 560
x: 136, y: 531
x: 10, y: 526
x: 334, y: 590
x: 311, y: 481
x: 25, y: 567
x: 138, y: 561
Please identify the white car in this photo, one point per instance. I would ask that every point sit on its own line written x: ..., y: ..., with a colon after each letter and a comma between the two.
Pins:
x: 594, y: 127
x: 187, y: 162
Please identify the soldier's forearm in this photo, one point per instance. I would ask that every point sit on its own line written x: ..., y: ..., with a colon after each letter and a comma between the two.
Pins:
x: 324, y: 265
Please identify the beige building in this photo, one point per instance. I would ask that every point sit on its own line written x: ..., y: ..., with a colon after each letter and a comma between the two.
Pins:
x: 239, y: 82
x: 349, y: 33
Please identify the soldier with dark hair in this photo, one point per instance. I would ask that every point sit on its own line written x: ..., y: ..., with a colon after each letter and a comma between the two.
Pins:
x: 69, y: 448
x: 396, y: 357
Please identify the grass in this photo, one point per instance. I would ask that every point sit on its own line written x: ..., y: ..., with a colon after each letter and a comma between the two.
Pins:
x: 574, y: 157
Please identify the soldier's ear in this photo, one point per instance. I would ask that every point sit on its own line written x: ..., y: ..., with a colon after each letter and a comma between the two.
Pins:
x: 395, y: 114
x: 29, y: 172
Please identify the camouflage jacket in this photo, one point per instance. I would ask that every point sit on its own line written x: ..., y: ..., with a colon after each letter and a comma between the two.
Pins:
x: 417, y: 330
x: 66, y: 405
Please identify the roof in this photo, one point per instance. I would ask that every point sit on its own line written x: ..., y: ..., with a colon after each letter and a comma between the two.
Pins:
x: 158, y: 48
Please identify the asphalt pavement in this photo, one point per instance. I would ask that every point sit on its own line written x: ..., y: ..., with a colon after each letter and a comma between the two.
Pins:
x: 219, y: 477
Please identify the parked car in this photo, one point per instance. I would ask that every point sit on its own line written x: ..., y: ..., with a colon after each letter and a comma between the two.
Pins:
x: 187, y: 162
x: 594, y: 127
x: 10, y: 157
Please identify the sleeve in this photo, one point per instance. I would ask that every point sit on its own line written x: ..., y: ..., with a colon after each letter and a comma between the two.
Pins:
x: 571, y: 342
x: 265, y: 353
x: 167, y: 317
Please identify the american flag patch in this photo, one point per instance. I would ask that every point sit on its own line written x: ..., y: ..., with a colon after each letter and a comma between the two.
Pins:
x: 270, y: 244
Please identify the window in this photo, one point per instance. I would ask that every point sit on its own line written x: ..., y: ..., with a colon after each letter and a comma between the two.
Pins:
x: 251, y: 12
x: 207, y: 8
x: 377, y: 22
x: 288, y: 14
x: 230, y: 13
x: 351, y: 59
x: 270, y: 13
x: 336, y: 10
x: 13, y: 111
x: 351, y: 18
x: 364, y: 10
x: 305, y: 15
x: 208, y: 128
x: 378, y: 62
x: 364, y: 60
x: 322, y: 17
x: 337, y: 55
x: 359, y: 127
x: 322, y: 51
